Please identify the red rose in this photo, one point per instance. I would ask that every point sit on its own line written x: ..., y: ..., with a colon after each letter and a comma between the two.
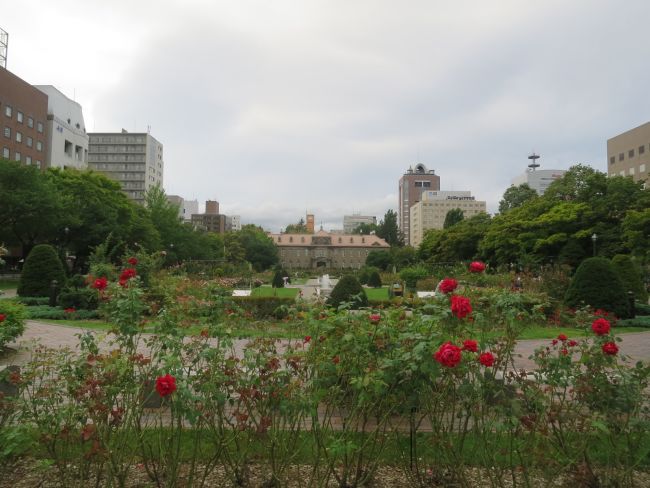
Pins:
x: 486, y: 359
x: 126, y: 275
x: 470, y: 345
x: 375, y: 318
x: 100, y: 284
x: 610, y: 348
x: 448, y: 285
x: 70, y: 310
x: 476, y: 267
x: 336, y: 360
x: 306, y: 339
x: 554, y: 342
x: 165, y: 385
x: 601, y: 326
x: 573, y: 343
x: 132, y: 261
x: 564, y: 351
x: 460, y: 306
x: 562, y: 337
x: 2, y: 317
x: 449, y: 355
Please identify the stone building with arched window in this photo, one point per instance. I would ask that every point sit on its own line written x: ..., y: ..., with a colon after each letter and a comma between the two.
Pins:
x: 326, y: 250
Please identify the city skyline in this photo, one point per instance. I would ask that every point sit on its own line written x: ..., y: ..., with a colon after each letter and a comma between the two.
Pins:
x: 276, y: 109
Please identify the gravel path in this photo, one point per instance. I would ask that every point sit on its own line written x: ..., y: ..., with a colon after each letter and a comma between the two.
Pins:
x: 635, y: 345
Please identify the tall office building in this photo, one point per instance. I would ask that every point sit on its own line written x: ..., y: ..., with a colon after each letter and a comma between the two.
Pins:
x: 411, y: 186
x: 66, y: 131
x: 135, y: 160
x: 538, y: 179
x: 628, y: 154
x: 23, y: 116
x: 430, y: 212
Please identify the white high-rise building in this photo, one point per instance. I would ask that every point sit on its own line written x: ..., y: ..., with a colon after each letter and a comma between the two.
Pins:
x: 539, y: 180
x: 135, y: 160
x: 431, y: 211
x: 66, y: 130
x: 235, y: 222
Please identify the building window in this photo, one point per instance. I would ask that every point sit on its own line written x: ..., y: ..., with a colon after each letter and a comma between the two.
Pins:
x: 621, y: 156
x: 18, y: 156
x: 39, y: 127
x: 30, y: 122
x: 28, y: 160
x: 630, y: 153
x: 38, y: 163
x: 5, y: 152
x: 8, y: 132
x: 642, y: 168
x: 19, y: 117
x: 612, y: 160
x: 29, y: 141
x: 19, y: 137
x: 7, y: 110
x: 631, y: 171
x: 641, y: 149
x: 39, y: 146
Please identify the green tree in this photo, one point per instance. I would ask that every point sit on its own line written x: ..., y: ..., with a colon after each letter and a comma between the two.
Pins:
x: 260, y: 249
x: 402, y: 257
x: 631, y: 276
x: 365, y: 229
x: 348, y: 289
x: 374, y: 280
x: 454, y: 216
x: 596, y: 283
x: 457, y: 243
x: 30, y: 206
x: 379, y: 259
x: 389, y: 231
x: 516, y: 196
x: 412, y: 275
x: 299, y: 228
x: 42, y: 266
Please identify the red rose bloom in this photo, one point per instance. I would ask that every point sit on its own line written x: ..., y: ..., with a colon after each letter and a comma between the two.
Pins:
x: 562, y: 337
x: 554, y: 342
x: 486, y: 359
x: 470, y: 345
x: 448, y: 285
x: 460, y: 306
x: 449, y: 355
x: 601, y: 326
x: 132, y: 261
x: 126, y: 275
x: 3, y: 317
x: 100, y: 284
x: 336, y: 360
x: 573, y: 343
x: 70, y: 310
x: 165, y: 385
x: 476, y: 267
x: 375, y: 318
x: 610, y: 349
x: 306, y: 339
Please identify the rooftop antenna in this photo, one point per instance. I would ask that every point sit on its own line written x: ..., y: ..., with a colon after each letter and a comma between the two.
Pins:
x: 534, y: 164
x: 4, y: 47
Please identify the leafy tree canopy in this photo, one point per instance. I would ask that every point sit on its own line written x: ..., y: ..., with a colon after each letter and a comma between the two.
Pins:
x: 516, y: 196
x: 454, y: 216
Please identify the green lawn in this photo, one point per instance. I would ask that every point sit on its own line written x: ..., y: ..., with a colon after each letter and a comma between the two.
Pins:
x: 377, y: 294
x: 267, y: 291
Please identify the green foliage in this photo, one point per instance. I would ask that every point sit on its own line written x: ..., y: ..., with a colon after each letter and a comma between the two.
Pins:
x: 349, y: 290
x: 365, y: 229
x: 516, y: 196
x: 389, y: 231
x: 374, y: 279
x: 638, y: 321
x: 454, y: 216
x: 80, y: 298
x: 299, y: 228
x: 13, y: 325
x: 457, y: 243
x: 44, y: 312
x: 278, y: 281
x: 363, y: 275
x: 259, y: 248
x: 630, y: 274
x: 412, y: 275
x: 597, y: 284
x: 31, y: 301
x: 262, y: 307
x: 642, y: 308
x: 42, y: 266
x: 379, y: 259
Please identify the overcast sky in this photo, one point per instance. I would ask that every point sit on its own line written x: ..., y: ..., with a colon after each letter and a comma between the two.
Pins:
x: 275, y: 107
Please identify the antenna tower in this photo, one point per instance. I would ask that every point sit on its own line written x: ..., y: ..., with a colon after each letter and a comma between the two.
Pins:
x: 4, y: 48
x: 533, y: 161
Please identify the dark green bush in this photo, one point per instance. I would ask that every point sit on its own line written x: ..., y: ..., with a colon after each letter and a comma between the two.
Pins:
x: 630, y: 275
x: 45, y: 312
x: 348, y: 289
x: 278, y: 281
x: 363, y: 275
x: 31, y: 301
x: 262, y: 307
x: 639, y: 321
x: 374, y: 280
x: 82, y: 298
x: 597, y: 283
x: 41, y: 267
x: 412, y: 275
x: 642, y: 308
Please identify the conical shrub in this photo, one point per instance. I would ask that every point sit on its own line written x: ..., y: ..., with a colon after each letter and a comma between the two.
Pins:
x: 41, y: 267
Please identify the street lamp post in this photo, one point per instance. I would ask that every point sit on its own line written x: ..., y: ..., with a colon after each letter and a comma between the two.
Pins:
x: 594, y: 238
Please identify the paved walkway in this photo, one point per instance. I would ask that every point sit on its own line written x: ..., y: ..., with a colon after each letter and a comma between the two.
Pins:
x: 636, y: 346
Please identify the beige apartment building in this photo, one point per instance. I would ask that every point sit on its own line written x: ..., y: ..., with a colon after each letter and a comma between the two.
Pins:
x: 431, y: 211
x: 628, y: 154
x: 325, y: 250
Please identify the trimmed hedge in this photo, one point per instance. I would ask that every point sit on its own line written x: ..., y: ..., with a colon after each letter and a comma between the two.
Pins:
x: 630, y: 275
x: 348, y: 289
x: 80, y: 298
x: 597, y: 283
x: 641, y: 308
x: 44, y: 312
x: 262, y: 307
x: 31, y: 301
x: 640, y: 321
x: 41, y: 267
